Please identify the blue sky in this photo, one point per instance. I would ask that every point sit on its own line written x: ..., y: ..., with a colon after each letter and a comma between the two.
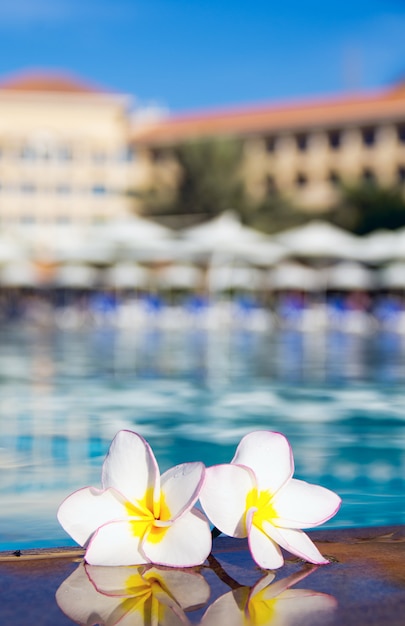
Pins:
x: 198, y: 54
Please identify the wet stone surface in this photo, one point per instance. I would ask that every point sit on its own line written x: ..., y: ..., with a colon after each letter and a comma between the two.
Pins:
x: 363, y: 584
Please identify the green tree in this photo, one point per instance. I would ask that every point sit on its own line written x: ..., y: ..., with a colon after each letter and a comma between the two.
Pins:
x: 272, y: 214
x: 209, y: 183
x: 367, y: 206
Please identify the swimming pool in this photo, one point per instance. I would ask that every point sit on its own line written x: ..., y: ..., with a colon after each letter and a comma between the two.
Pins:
x: 193, y: 394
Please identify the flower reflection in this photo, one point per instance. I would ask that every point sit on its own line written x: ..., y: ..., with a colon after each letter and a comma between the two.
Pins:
x: 135, y: 595
x: 269, y: 604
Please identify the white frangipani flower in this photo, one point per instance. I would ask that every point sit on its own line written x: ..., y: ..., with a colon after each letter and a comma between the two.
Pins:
x: 270, y: 603
x: 139, y: 516
x: 138, y: 595
x: 256, y: 496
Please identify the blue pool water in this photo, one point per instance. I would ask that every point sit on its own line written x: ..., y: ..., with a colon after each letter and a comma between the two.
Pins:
x: 193, y: 394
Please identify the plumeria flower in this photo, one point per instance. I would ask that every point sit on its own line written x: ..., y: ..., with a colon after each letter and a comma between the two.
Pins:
x: 256, y: 496
x: 134, y: 595
x: 269, y: 604
x: 139, y: 516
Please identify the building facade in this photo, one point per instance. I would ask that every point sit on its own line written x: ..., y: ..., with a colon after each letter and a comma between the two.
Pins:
x: 65, y: 151
x: 74, y: 153
x: 303, y: 150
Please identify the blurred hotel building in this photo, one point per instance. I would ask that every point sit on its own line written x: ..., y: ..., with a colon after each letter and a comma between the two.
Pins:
x: 65, y: 153
x: 70, y: 152
x: 302, y: 149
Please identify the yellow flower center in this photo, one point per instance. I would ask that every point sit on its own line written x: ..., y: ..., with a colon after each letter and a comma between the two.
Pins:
x: 261, y: 501
x: 142, y: 599
x: 256, y: 610
x: 148, y: 517
x: 261, y: 611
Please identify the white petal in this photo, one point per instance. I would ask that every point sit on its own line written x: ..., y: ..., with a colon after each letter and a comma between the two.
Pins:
x: 80, y: 601
x: 262, y: 584
x: 269, y: 589
x: 223, y: 497
x: 115, y: 543
x: 136, y: 595
x: 185, y: 543
x: 227, y: 609
x: 189, y: 589
x: 270, y: 457
x: 302, y: 505
x: 128, y: 616
x: 264, y: 550
x: 296, y: 542
x: 180, y: 487
x: 87, y: 509
x: 297, y: 605
x: 131, y: 468
x: 122, y: 582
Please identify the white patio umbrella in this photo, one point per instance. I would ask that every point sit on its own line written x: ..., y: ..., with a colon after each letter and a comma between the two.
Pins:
x: 53, y: 242
x: 392, y: 276
x: 152, y: 251
x: 11, y: 249
x: 125, y: 276
x: 379, y: 246
x: 180, y: 276
x: 225, y: 235
x: 76, y: 276
x: 85, y: 249
x: 349, y: 276
x: 135, y: 238
x: 20, y: 274
x: 399, y: 245
x: 264, y: 253
x: 222, y: 278
x: 132, y: 230
x: 288, y: 276
x: 320, y: 240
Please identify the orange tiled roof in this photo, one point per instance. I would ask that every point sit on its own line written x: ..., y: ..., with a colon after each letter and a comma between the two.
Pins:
x: 299, y: 115
x: 47, y: 82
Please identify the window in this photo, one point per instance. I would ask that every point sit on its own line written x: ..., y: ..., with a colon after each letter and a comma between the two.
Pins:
x: 65, y: 153
x: 302, y: 142
x: 127, y: 154
x: 156, y: 154
x: 301, y: 180
x: 368, y: 136
x: 334, y: 138
x: 99, y: 156
x: 28, y: 153
x: 334, y: 178
x: 45, y: 153
x: 401, y: 133
x: 27, y: 188
x: 271, y: 185
x: 270, y: 144
x: 62, y: 219
x: 368, y: 175
x: 28, y: 219
x: 63, y: 189
x: 99, y: 190
x: 401, y: 174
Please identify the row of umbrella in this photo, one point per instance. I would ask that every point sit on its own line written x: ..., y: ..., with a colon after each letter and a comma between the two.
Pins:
x: 344, y: 276
x: 145, y: 241
x: 219, y: 255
